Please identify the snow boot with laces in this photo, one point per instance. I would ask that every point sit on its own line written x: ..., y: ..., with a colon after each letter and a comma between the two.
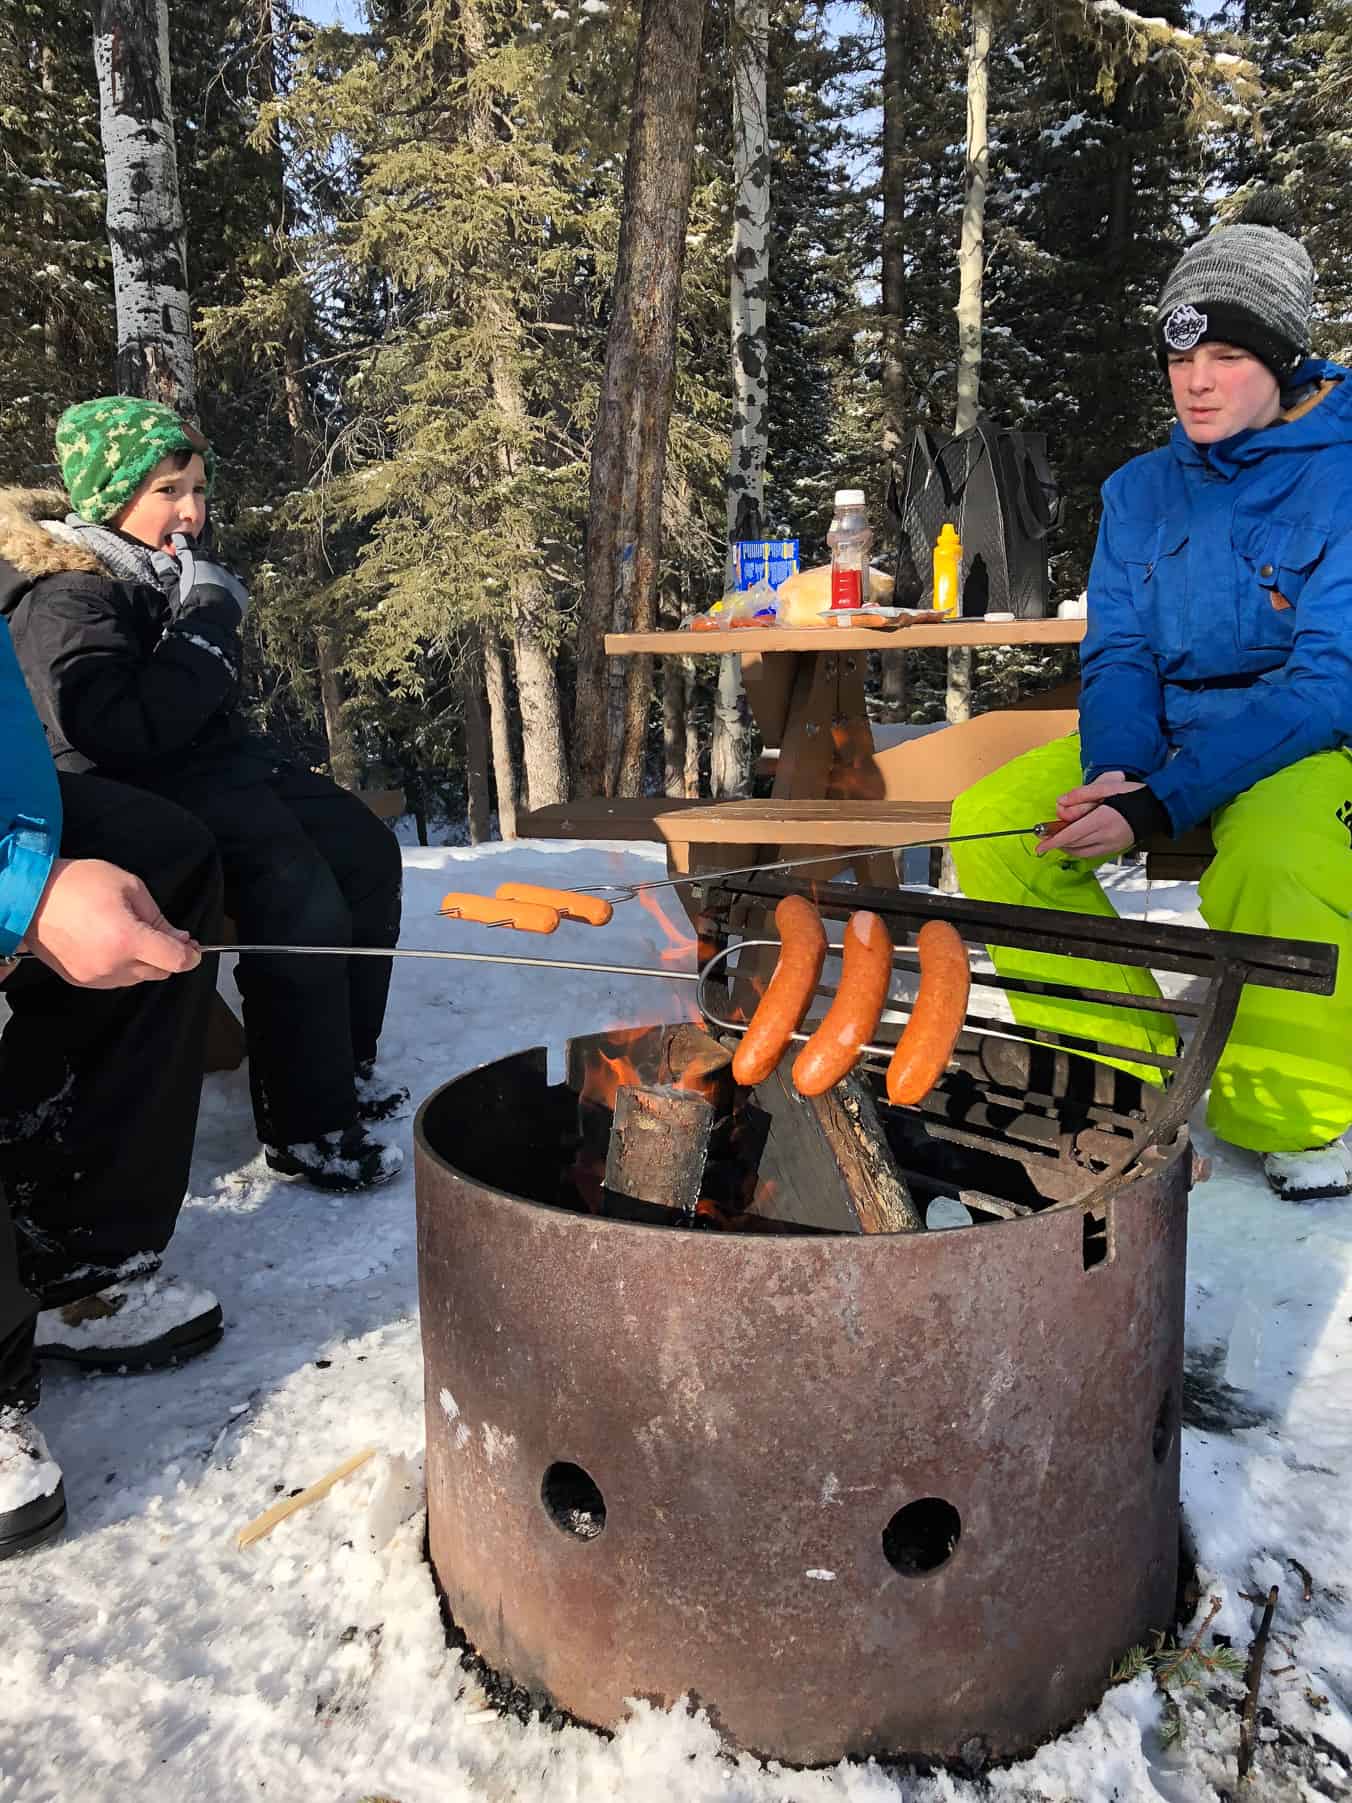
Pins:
x: 139, y: 1323
x: 32, y: 1496
x: 346, y: 1161
x: 376, y: 1100
x: 1313, y: 1176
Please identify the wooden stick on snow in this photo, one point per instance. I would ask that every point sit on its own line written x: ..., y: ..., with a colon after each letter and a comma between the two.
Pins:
x: 268, y: 1520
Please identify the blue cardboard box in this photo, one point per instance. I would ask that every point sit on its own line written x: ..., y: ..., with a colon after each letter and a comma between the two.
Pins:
x: 771, y: 560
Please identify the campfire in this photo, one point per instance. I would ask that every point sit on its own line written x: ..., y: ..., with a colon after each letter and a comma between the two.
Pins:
x: 711, y: 1414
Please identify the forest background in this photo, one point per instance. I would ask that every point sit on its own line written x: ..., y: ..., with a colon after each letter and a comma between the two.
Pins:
x: 401, y: 222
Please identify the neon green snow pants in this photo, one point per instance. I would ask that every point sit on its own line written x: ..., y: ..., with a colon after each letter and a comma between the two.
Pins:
x: 1283, y: 866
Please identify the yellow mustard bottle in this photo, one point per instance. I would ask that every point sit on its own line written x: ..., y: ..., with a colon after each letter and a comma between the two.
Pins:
x: 947, y: 572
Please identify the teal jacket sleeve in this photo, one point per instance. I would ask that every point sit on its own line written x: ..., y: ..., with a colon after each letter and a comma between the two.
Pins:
x: 30, y: 803
x: 1289, y: 714
x: 1121, y: 694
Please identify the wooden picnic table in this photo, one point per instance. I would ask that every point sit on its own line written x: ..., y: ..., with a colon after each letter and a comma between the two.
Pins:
x: 806, y: 690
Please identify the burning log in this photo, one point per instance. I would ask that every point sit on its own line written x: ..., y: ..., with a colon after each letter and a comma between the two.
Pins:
x: 658, y: 1145
x: 828, y: 1163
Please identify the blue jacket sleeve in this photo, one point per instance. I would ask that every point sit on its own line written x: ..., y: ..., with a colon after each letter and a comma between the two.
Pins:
x: 1121, y: 695
x: 1289, y: 714
x: 30, y: 803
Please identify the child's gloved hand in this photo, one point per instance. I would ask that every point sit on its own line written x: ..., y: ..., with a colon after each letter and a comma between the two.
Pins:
x: 203, y: 583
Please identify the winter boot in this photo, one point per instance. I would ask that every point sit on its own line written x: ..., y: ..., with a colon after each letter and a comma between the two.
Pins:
x: 1311, y: 1176
x: 32, y: 1496
x: 139, y: 1323
x: 377, y: 1101
x: 350, y: 1160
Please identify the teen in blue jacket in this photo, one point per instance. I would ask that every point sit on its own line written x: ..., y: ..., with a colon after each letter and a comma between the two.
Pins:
x: 100, y: 1074
x: 1217, y: 686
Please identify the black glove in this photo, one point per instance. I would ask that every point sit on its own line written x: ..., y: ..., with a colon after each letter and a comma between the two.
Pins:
x: 203, y: 584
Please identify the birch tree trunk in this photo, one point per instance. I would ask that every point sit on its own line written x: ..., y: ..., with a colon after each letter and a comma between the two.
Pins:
x: 958, y: 698
x: 971, y: 247
x: 629, y: 449
x: 730, y: 755
x: 898, y: 48
x: 145, y: 215
x: 500, y: 732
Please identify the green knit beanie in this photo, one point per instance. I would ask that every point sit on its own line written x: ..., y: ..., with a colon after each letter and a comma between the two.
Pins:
x: 107, y: 448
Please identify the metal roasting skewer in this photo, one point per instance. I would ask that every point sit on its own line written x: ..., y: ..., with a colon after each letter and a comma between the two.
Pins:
x: 623, y: 892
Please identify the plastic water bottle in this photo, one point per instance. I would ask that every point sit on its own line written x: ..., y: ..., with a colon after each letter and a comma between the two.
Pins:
x: 850, y: 539
x: 947, y: 572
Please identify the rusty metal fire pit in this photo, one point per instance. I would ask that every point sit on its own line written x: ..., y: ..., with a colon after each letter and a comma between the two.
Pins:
x: 887, y: 1493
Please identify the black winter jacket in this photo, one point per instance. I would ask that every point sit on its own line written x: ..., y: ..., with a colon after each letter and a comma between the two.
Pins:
x: 122, y: 687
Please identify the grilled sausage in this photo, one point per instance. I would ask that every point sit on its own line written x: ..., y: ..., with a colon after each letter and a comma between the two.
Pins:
x: 924, y: 1049
x: 852, y: 1019
x: 528, y: 917
x: 788, y: 996
x: 590, y: 909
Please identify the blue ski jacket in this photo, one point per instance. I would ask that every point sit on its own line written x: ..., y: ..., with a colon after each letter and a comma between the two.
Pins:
x: 1219, y: 643
x: 30, y: 802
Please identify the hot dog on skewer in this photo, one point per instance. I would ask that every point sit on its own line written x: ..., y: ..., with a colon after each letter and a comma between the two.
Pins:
x: 852, y: 1019
x: 592, y: 910
x: 492, y: 911
x: 924, y: 1049
x: 788, y: 996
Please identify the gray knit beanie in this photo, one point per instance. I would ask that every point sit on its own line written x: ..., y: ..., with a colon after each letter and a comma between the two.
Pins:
x: 1249, y: 284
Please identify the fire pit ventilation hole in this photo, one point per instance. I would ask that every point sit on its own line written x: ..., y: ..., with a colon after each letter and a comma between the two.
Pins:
x: 1162, y: 1434
x: 572, y: 1501
x: 1096, y: 1248
x: 922, y: 1536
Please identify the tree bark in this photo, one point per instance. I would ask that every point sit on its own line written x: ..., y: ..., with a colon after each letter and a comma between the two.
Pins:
x: 537, y: 682
x: 624, y: 518
x: 674, y: 723
x: 958, y: 699
x: 145, y: 215
x: 500, y: 732
x: 537, y: 689
x: 970, y: 249
x: 730, y: 757
x: 692, y: 770
x: 344, y: 764
x: 898, y: 51
x: 476, y: 757
x: 750, y: 272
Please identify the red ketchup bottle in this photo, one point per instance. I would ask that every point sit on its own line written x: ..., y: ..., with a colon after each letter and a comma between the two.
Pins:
x: 850, y: 539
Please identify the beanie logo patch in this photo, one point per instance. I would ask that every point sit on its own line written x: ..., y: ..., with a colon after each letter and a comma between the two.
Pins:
x: 1185, y: 328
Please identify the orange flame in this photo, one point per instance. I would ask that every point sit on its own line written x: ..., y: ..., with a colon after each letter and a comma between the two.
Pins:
x: 681, y: 943
x: 606, y: 1076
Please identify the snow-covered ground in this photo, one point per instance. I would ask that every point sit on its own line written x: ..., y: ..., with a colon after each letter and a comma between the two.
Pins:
x: 147, y: 1657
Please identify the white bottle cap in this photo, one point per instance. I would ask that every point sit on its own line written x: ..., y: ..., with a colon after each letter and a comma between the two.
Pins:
x: 849, y: 497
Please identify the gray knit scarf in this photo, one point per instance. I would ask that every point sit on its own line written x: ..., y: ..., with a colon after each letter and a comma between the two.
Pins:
x: 122, y: 557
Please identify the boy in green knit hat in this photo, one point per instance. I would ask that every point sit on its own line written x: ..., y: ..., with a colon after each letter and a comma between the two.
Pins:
x: 129, y: 637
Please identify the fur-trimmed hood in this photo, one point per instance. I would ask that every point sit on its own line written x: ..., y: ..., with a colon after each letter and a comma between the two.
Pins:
x: 26, y: 543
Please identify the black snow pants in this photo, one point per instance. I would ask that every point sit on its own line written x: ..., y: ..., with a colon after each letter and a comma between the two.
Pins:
x: 305, y: 863
x: 99, y: 1088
